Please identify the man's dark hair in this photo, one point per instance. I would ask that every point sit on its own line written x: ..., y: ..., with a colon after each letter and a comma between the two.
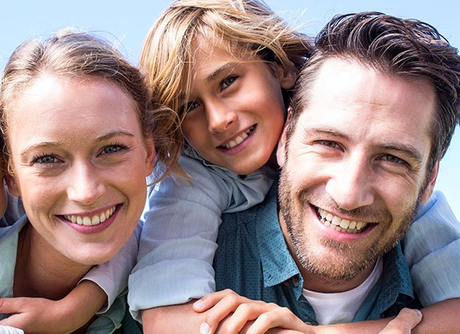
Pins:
x: 401, y: 47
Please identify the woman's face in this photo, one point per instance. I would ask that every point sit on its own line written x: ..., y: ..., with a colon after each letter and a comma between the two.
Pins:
x: 3, y: 198
x: 80, y: 163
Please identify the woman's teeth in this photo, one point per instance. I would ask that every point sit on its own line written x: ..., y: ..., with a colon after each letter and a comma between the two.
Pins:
x: 91, y: 220
x: 339, y: 224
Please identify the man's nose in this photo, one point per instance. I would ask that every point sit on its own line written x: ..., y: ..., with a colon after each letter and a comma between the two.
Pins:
x: 350, y: 184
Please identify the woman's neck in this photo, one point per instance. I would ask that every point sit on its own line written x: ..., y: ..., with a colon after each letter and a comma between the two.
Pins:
x: 41, y: 271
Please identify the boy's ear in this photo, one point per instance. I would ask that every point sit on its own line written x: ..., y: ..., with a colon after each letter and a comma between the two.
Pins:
x: 13, y: 187
x: 428, y: 191
x: 287, y: 79
x: 281, y: 150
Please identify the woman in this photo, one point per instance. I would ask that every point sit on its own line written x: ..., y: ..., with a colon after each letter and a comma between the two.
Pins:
x: 80, y: 137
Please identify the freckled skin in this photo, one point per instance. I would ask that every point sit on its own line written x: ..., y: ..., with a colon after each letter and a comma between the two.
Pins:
x: 79, y: 151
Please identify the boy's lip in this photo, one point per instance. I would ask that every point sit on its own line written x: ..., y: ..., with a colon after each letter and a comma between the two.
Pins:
x: 237, y: 138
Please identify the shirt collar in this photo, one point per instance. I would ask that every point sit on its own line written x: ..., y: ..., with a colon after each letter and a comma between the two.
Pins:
x: 278, y: 265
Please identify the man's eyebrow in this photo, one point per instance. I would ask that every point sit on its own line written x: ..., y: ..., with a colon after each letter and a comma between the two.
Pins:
x: 325, y: 131
x: 225, y: 68
x: 406, y: 149
x: 56, y: 144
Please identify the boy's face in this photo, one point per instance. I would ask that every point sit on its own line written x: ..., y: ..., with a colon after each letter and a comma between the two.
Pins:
x: 236, y: 110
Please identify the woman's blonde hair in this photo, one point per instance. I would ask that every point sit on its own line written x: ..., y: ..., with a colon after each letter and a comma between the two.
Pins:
x: 77, y: 54
x: 240, y: 26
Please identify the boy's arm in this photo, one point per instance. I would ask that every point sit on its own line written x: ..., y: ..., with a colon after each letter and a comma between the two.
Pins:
x: 432, y: 251
x: 182, y: 319
x: 440, y: 318
x: 178, y: 241
x: 39, y: 315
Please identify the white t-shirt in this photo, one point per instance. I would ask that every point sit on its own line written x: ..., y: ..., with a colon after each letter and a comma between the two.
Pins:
x: 10, y: 330
x: 341, y: 307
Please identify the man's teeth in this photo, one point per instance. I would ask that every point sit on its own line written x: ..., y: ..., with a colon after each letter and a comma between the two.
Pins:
x: 238, y: 140
x: 93, y: 220
x: 339, y: 224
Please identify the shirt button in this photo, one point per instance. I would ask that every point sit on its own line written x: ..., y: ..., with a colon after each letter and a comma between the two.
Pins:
x: 295, y: 281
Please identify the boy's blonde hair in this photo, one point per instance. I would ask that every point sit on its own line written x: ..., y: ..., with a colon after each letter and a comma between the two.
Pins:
x: 240, y: 26
x: 70, y: 53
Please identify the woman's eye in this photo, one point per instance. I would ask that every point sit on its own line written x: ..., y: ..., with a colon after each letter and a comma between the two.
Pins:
x: 112, y: 149
x: 45, y: 159
x: 228, y: 82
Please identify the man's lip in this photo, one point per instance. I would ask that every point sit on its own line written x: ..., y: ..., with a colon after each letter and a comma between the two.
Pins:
x: 341, y: 224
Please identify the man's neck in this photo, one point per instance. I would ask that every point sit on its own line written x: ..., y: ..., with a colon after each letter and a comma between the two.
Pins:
x: 318, y: 283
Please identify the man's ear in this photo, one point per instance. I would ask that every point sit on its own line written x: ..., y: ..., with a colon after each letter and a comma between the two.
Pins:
x: 286, y: 78
x: 281, y: 150
x: 431, y: 183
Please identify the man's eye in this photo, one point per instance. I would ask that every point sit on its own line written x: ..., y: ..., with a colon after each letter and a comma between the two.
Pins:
x: 328, y: 143
x: 395, y: 160
x: 228, y: 82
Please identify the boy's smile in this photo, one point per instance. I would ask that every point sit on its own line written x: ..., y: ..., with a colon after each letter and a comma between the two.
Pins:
x: 236, y: 110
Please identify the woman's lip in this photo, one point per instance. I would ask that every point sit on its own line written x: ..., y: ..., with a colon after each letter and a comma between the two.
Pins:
x: 85, y: 227
x: 92, y: 212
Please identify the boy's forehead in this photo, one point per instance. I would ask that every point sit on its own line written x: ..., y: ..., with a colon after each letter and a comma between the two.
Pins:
x: 216, y: 46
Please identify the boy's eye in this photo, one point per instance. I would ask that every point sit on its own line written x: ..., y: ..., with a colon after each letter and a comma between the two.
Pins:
x: 188, y: 107
x: 228, y: 82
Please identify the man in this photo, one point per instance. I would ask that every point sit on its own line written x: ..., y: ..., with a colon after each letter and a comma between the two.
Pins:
x: 374, y: 112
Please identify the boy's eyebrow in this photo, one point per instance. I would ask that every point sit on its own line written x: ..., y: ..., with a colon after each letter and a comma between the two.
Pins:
x: 225, y: 68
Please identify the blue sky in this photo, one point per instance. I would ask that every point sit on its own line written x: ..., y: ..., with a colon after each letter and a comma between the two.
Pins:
x: 129, y: 21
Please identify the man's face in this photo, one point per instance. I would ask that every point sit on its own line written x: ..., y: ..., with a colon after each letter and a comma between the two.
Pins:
x: 355, y: 169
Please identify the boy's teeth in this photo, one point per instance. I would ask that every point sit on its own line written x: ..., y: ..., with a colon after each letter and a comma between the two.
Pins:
x: 91, y: 220
x: 238, y: 140
x: 339, y: 224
